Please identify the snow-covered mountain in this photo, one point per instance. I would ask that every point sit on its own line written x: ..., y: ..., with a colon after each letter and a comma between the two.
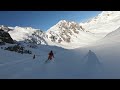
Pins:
x: 69, y: 34
x: 63, y: 34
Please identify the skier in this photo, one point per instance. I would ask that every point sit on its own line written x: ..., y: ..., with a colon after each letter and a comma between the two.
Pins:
x: 50, y: 55
x: 34, y: 57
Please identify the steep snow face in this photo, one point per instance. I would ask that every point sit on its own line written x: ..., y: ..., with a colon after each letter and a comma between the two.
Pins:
x: 115, y: 35
x: 28, y: 34
x: 109, y: 43
x: 104, y: 23
x: 20, y: 34
x: 110, y: 38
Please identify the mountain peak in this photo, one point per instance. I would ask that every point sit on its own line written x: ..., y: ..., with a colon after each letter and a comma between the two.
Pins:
x: 61, y: 22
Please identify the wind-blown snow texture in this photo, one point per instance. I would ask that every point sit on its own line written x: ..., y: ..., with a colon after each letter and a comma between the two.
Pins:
x: 73, y: 60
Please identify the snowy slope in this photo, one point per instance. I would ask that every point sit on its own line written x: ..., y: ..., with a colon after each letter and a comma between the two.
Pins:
x: 68, y: 64
x: 107, y: 50
x: 104, y: 23
x: 110, y: 39
x: 14, y: 65
x: 114, y: 35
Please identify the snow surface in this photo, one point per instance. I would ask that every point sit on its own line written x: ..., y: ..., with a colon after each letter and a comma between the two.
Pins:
x: 66, y: 64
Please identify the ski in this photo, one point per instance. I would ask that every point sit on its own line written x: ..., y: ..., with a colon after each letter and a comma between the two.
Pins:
x: 46, y: 61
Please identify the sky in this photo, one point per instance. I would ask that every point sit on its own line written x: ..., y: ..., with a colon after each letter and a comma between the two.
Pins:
x: 43, y: 19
